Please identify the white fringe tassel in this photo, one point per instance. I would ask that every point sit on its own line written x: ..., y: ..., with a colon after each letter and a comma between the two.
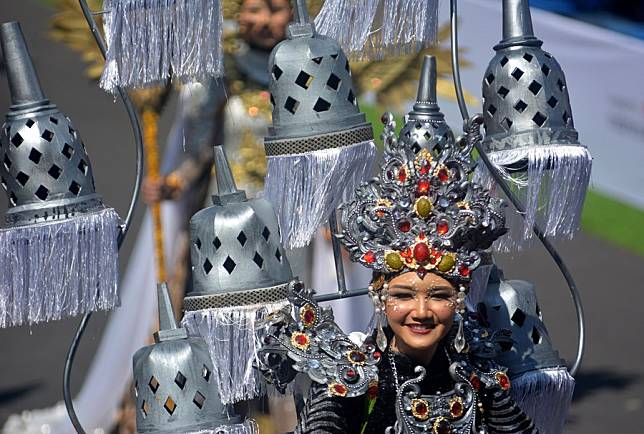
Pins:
x: 58, y: 269
x: 233, y: 344
x: 545, y: 395
x: 374, y: 29
x: 249, y: 426
x: 150, y: 41
x: 553, y: 190
x: 305, y: 188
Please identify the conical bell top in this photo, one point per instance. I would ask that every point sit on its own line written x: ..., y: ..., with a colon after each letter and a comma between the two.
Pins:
x: 302, y: 26
x: 227, y: 191
x: 426, y: 106
x: 517, y: 24
x: 24, y: 86
x: 168, y: 329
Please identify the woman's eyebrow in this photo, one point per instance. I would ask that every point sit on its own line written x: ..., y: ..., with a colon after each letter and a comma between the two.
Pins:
x: 441, y: 288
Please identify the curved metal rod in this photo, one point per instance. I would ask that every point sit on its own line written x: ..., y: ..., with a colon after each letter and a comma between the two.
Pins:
x: 125, y: 227
x: 574, y: 292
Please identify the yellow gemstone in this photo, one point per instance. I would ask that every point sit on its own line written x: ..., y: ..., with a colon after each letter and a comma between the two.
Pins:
x: 423, y: 207
x: 394, y: 261
x: 447, y: 263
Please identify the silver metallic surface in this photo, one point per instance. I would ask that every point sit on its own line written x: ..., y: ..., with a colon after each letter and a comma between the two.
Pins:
x: 235, y: 244
x: 525, y: 97
x: 513, y: 305
x: 44, y: 167
x: 174, y: 385
x: 311, y: 88
x: 425, y: 126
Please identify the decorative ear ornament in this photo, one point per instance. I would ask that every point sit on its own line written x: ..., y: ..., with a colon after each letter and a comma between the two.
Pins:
x: 378, y: 297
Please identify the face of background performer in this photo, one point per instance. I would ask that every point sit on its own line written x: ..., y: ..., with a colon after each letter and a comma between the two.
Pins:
x: 262, y: 23
x: 420, y: 312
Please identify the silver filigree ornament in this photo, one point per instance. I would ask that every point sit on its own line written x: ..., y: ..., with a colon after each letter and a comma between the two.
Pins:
x: 422, y: 213
x: 305, y: 338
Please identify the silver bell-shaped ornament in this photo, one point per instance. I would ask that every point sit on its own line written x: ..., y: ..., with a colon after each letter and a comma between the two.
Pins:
x: 174, y: 385
x: 58, y: 243
x: 240, y: 275
x: 319, y: 147
x: 425, y: 126
x: 541, y: 384
x: 530, y: 135
x: 373, y: 29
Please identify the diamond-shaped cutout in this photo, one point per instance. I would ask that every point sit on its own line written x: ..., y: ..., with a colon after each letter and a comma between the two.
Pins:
x: 517, y: 73
x: 334, y: 56
x: 47, y: 135
x: 17, y: 140
x: 82, y: 166
x: 229, y: 265
x: 548, y: 55
x: 552, y: 102
x: 3, y: 182
x: 528, y: 57
x: 427, y: 136
x: 34, y: 155
x: 520, y: 106
x: 277, y: 72
x: 71, y: 130
x: 75, y: 188
x: 536, y: 336
x: 216, y: 243
x: 346, y: 66
x: 317, y: 60
x: 55, y: 171
x: 535, y: 87
x: 7, y: 162
x: 490, y: 78
x: 242, y: 238
x: 333, y: 82
x: 197, y: 243
x: 207, y: 266
x: 278, y: 255
x: 154, y: 384
x: 22, y: 178
x: 539, y: 118
x: 565, y: 117
x: 503, y: 61
x: 518, y: 317
x: 291, y: 104
x: 560, y: 85
x: 545, y: 69
x: 491, y: 109
x: 180, y: 380
x: 304, y: 79
x: 169, y: 405
x: 272, y: 100
x: 503, y: 91
x: 145, y: 409
x: 199, y: 399
x: 416, y: 147
x: 266, y: 233
x: 257, y: 259
x: 30, y: 123
x: 205, y: 373
x: 351, y: 97
x: 321, y: 105
x: 53, y: 120
x: 42, y: 192
x: 67, y: 151
x: 507, y: 123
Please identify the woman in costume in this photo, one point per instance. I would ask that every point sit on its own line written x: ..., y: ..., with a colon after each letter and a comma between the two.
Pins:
x: 421, y: 226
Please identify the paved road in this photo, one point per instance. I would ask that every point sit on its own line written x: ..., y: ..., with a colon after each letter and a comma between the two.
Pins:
x: 610, y: 389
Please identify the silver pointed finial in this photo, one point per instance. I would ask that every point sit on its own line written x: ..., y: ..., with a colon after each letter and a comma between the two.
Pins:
x: 301, y: 12
x: 301, y: 25
x: 168, y: 329
x: 427, y: 82
x: 227, y: 191
x: 517, y: 22
x: 24, y: 86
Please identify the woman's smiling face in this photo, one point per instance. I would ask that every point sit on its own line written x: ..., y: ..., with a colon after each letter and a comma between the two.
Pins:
x: 420, y: 312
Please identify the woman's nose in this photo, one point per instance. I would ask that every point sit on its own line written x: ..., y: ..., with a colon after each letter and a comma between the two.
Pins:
x: 422, y: 310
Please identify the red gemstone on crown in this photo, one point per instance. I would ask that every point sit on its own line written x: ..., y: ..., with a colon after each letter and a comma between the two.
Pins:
x: 351, y: 373
x: 503, y: 380
x: 423, y: 186
x: 456, y: 408
x: 406, y: 253
x: 464, y: 271
x: 424, y: 168
x: 421, y: 253
x: 372, y: 391
x: 339, y: 389
x: 301, y: 339
x: 475, y: 382
x: 442, y: 227
x: 421, y: 409
x: 402, y: 174
x: 376, y: 354
x: 369, y: 257
x: 404, y: 226
x: 308, y: 316
x: 443, y: 175
x: 357, y: 356
x: 421, y: 236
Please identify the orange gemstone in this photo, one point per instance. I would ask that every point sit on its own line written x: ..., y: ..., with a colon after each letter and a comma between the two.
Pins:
x: 423, y: 186
x: 406, y: 253
x: 301, y: 339
x: 369, y: 257
x: 442, y: 227
x: 402, y: 174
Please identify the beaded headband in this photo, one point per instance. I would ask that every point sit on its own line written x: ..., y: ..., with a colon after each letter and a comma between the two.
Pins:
x: 422, y: 213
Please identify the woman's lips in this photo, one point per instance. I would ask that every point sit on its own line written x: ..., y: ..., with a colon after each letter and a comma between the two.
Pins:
x: 420, y: 329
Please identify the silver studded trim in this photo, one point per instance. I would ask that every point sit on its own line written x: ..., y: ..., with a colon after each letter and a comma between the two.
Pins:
x: 318, y: 142
x: 237, y: 298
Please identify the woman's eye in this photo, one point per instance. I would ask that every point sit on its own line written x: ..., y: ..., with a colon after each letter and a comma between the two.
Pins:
x: 402, y: 296
x: 441, y: 296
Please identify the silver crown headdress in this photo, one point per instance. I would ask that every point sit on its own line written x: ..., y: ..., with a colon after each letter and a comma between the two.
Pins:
x: 320, y: 146
x: 530, y: 136
x: 240, y: 274
x: 373, y: 29
x: 174, y: 386
x: 152, y: 41
x: 421, y: 213
x: 541, y: 384
x: 58, y: 247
